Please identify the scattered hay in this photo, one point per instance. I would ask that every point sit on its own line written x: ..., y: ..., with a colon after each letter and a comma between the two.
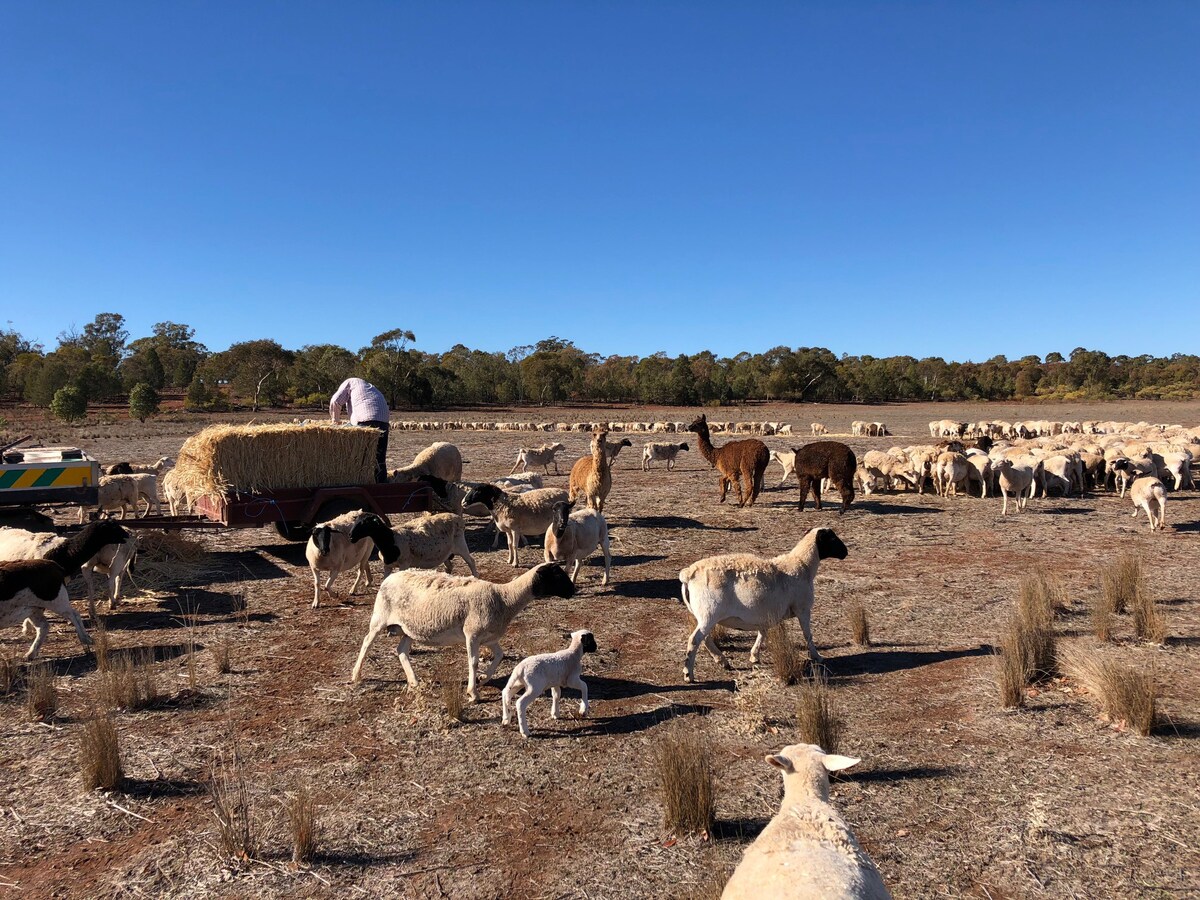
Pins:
x: 130, y: 682
x: 786, y: 662
x: 168, y: 559
x: 254, y: 458
x: 860, y: 629
x: 100, y: 755
x: 1121, y: 583
x: 41, y: 693
x: 303, y: 824
x: 816, y: 720
x: 1128, y: 696
x: 685, y: 775
x: 752, y: 701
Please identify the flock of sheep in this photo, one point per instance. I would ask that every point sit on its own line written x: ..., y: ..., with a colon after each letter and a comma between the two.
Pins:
x: 807, y: 850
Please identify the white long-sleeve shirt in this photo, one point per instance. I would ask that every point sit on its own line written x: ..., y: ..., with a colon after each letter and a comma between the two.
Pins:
x: 363, y: 402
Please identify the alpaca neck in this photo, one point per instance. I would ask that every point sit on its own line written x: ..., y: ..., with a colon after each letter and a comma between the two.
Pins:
x: 707, y: 450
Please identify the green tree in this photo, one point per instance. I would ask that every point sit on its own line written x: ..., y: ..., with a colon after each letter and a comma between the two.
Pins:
x: 68, y: 404
x: 390, y: 366
x: 256, y: 370
x: 143, y: 402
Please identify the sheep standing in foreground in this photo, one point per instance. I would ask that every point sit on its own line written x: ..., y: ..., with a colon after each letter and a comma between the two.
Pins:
x: 515, y: 515
x: 661, y: 451
x: 331, y: 549
x: 548, y: 671
x: 28, y: 589
x: 591, y: 476
x: 443, y: 610
x: 737, y: 461
x: 574, y: 536
x: 441, y: 460
x: 825, y: 459
x: 950, y: 470
x: 537, y: 456
x: 423, y: 543
x: 751, y: 593
x: 1015, y: 477
x: 1149, y: 494
x: 807, y: 851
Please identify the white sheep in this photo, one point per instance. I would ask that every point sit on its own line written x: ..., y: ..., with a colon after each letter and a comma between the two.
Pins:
x: 661, y: 451
x: 174, y: 493
x: 518, y: 514
x: 115, y: 492
x: 548, y: 671
x: 28, y: 589
x: 538, y: 456
x: 807, y: 851
x: 750, y: 593
x: 1015, y: 477
x: 441, y: 460
x: 331, y: 550
x: 574, y: 536
x: 1149, y: 494
x: 443, y: 610
x: 424, y: 543
x: 951, y: 469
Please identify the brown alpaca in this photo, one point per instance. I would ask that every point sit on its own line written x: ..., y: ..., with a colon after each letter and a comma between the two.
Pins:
x: 736, y: 461
x: 591, y: 476
x: 825, y: 459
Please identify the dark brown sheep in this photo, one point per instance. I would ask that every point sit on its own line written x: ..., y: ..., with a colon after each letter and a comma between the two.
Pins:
x: 736, y: 461
x: 825, y: 459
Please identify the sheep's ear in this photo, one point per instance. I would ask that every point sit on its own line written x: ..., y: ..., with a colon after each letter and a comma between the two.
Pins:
x: 835, y: 763
x: 779, y: 761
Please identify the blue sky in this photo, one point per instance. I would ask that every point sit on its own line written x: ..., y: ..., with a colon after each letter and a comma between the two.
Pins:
x: 958, y: 179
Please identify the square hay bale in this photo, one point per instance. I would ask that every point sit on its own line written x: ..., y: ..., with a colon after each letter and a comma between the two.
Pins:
x: 253, y: 458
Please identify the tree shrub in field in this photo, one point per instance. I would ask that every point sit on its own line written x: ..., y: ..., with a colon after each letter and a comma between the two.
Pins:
x: 69, y: 404
x: 143, y: 402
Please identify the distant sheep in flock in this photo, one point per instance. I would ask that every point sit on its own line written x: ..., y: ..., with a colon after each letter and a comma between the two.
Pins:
x: 737, y: 461
x: 539, y: 456
x: 818, y: 429
x: 548, y: 671
x: 441, y: 460
x: 825, y: 459
x: 591, y: 476
x: 751, y: 593
x: 444, y: 610
x: 1149, y: 494
x: 807, y: 851
x: 661, y: 451
x: 331, y: 550
x: 574, y: 536
x: 28, y: 589
x: 518, y: 514
x: 423, y: 543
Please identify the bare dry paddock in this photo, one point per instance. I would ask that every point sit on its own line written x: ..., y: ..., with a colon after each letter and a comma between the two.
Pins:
x: 955, y: 796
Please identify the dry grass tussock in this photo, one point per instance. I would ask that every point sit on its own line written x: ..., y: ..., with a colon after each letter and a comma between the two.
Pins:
x: 1127, y: 696
x: 100, y: 755
x: 816, y: 721
x: 451, y: 692
x: 129, y: 682
x: 237, y: 829
x: 221, y: 658
x: 685, y: 774
x: 41, y: 693
x: 302, y: 824
x: 10, y: 675
x: 1148, y: 622
x: 1028, y: 650
x: 786, y: 661
x: 860, y: 628
x: 1121, y: 583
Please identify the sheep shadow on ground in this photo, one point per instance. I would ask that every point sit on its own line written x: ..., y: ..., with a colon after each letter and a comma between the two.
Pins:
x: 225, y: 566
x: 739, y: 830
x: 85, y: 663
x: 618, y: 560
x: 603, y: 688
x: 891, y: 509
x: 652, y: 589
x: 1186, y: 527
x: 876, y: 662
x: 359, y: 859
x: 150, y: 788
x: 889, y: 774
x: 630, y: 723
x: 683, y: 522
x: 1068, y: 510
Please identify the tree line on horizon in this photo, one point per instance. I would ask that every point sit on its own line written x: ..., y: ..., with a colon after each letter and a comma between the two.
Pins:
x: 101, y: 364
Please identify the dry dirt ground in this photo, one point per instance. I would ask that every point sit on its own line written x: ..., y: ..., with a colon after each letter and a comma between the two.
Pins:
x: 955, y: 797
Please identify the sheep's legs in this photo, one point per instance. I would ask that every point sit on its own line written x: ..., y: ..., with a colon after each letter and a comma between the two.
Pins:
x: 512, y: 548
x: 555, y: 696
x: 758, y: 642
x: 604, y: 545
x: 36, y: 618
x: 316, y: 601
x: 376, y: 628
x: 806, y: 627
x: 1004, y: 508
x: 465, y: 553
x: 580, y: 685
x: 497, y: 655
x: 575, y: 570
x: 522, y: 706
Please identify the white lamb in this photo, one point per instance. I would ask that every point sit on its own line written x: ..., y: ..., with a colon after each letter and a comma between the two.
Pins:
x: 548, y: 671
x: 574, y: 536
x: 661, y: 451
x: 1149, y: 494
x: 807, y: 851
x: 538, y: 456
x: 750, y: 593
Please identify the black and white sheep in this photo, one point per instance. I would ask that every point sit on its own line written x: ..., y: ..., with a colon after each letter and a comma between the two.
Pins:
x: 574, y: 536
x: 548, y: 671
x: 29, y: 588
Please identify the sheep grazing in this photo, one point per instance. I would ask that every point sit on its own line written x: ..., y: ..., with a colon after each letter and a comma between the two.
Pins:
x: 1149, y: 494
x: 613, y: 450
x: 28, y: 589
x: 443, y: 610
x: 574, y: 536
x: 424, y: 543
x: 548, y: 671
x: 786, y: 459
x: 818, y: 429
x: 331, y: 549
x: 950, y: 470
x: 825, y: 459
x: 661, y: 451
x: 539, y: 456
x: 737, y: 461
x: 518, y: 514
x: 751, y: 593
x: 99, y: 546
x: 441, y: 460
x: 591, y: 476
x: 116, y: 492
x: 807, y: 851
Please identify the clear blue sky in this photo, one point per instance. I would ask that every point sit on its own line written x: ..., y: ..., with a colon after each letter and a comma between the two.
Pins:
x: 954, y: 178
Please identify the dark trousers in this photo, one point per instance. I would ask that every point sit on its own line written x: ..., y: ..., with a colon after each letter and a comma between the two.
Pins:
x: 380, y: 450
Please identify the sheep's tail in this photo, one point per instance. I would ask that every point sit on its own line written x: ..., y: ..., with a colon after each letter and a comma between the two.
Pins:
x: 683, y: 589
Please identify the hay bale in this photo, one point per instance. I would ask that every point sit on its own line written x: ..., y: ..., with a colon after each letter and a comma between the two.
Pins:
x: 253, y: 458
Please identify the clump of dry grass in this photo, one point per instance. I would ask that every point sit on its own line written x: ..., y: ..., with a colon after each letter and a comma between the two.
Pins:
x: 816, y: 720
x: 10, y: 675
x: 1148, y: 623
x: 229, y: 792
x: 1028, y: 649
x: 41, y: 693
x: 1128, y: 696
x: 261, y: 457
x: 753, y: 703
x: 451, y: 692
x: 130, y: 682
x: 303, y: 824
x: 1040, y: 598
x: 786, y: 661
x: 1121, y: 583
x: 221, y: 657
x: 100, y: 755
x: 1013, y: 670
x: 715, y: 875
x: 860, y: 629
x: 685, y: 776
x: 101, y: 645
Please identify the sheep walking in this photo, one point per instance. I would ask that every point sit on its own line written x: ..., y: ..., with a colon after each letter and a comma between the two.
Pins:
x: 443, y: 610
x: 548, y: 671
x: 751, y: 593
x: 330, y: 549
x: 115, y: 492
x: 538, y: 456
x: 807, y: 851
x: 661, y: 451
x: 29, y: 588
x: 424, y: 543
x: 614, y: 450
x: 574, y: 536
x: 737, y: 461
x: 515, y: 515
x: 441, y: 460
x: 1149, y: 494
